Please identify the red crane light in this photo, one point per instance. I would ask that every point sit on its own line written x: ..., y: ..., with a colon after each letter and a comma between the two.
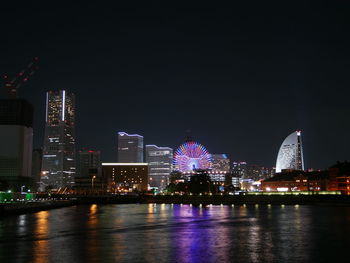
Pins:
x: 22, y: 77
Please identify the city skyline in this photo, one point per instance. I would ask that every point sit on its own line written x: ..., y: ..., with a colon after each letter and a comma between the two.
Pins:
x: 144, y: 131
x: 250, y: 76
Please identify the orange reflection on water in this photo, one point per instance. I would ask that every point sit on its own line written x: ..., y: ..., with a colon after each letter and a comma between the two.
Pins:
x: 92, y: 251
x: 41, y: 246
x: 152, y: 208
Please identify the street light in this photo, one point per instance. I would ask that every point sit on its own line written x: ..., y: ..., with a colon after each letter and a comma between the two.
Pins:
x: 92, y: 181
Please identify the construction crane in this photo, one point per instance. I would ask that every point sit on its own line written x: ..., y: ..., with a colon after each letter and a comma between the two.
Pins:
x: 13, y: 84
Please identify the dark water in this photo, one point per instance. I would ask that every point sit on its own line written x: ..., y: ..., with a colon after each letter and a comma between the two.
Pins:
x: 178, y: 233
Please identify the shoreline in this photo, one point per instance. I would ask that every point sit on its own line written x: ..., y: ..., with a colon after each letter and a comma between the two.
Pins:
x: 7, y: 209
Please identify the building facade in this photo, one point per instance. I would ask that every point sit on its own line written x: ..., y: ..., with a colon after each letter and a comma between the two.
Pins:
x: 58, y: 168
x: 37, y: 161
x: 294, y: 180
x: 239, y: 169
x: 89, y: 163
x: 16, y: 142
x: 220, y: 162
x: 125, y: 177
x: 339, y: 177
x: 290, y: 154
x: 159, y: 161
x: 130, y: 148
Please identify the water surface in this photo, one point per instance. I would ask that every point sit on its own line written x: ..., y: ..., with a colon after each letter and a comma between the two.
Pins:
x: 177, y: 233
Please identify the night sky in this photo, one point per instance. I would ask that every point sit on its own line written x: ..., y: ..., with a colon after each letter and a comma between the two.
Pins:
x: 240, y: 77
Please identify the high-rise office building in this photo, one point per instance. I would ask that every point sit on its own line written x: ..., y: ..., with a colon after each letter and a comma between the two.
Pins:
x: 16, y: 140
x: 58, y: 169
x: 159, y: 161
x: 130, y: 148
x: 220, y: 162
x: 290, y: 154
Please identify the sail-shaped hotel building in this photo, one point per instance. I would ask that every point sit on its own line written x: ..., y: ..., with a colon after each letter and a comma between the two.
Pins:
x: 290, y: 154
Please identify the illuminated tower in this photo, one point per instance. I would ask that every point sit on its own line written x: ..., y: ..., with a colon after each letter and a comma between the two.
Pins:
x: 290, y: 155
x: 130, y: 148
x: 58, y: 169
x: 159, y: 161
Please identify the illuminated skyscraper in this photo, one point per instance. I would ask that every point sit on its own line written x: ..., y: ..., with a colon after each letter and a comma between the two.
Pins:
x: 290, y: 155
x: 58, y: 169
x: 159, y: 161
x: 130, y: 148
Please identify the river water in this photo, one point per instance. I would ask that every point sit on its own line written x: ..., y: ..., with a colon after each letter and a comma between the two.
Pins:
x: 178, y: 233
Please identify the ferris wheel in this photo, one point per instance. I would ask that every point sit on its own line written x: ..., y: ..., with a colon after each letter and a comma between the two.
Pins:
x: 190, y: 156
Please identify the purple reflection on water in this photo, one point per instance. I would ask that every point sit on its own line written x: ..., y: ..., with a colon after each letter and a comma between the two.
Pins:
x: 175, y: 233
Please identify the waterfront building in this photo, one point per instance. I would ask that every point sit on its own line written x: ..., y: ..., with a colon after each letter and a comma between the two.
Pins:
x: 159, y: 161
x: 296, y: 180
x: 336, y: 178
x: 178, y: 177
x: 125, y: 177
x: 58, y: 167
x: 16, y: 142
x: 130, y: 148
x: 339, y: 177
x: 246, y: 184
x: 239, y: 169
x: 251, y: 171
x: 290, y: 154
x: 235, y: 182
x: 220, y: 162
x: 217, y: 177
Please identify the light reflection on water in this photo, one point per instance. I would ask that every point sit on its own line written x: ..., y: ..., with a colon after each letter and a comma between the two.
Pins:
x: 41, y: 248
x: 177, y: 233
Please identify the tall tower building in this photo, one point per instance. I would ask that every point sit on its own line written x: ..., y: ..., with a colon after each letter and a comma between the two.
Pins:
x: 58, y: 169
x: 159, y: 161
x: 16, y: 141
x: 290, y: 155
x: 130, y: 148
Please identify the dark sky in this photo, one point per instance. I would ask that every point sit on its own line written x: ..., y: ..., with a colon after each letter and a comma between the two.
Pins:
x: 241, y: 77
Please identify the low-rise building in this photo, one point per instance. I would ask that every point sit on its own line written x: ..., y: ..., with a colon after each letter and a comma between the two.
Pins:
x: 125, y: 177
x: 339, y: 177
x: 292, y: 180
